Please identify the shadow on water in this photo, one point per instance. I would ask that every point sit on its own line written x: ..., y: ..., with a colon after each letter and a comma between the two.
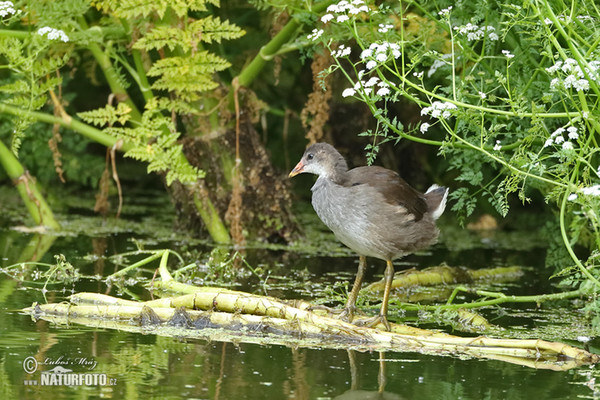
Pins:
x: 145, y: 365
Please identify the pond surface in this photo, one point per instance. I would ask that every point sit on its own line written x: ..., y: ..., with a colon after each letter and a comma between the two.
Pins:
x: 139, y: 365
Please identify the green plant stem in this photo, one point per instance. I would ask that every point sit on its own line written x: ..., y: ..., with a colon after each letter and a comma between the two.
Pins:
x: 149, y: 259
x: 268, y: 51
x: 565, y: 238
x: 214, y: 224
x: 496, y: 298
x: 111, y: 75
x: 70, y: 123
x: 28, y: 189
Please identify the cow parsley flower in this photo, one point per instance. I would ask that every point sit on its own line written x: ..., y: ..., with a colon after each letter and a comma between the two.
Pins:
x: 53, y: 34
x: 591, y: 190
x: 342, y: 51
x: 348, y: 92
x: 7, y: 8
x: 507, y: 54
x: 439, y: 109
x: 316, y: 33
x: 497, y: 146
x: 424, y: 127
x: 474, y: 32
x: 383, y: 28
x: 573, y: 135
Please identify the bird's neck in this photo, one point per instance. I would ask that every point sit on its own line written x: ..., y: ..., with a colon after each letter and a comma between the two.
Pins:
x: 339, y: 172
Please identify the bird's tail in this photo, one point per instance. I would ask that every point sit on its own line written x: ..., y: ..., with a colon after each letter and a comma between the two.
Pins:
x: 436, y: 197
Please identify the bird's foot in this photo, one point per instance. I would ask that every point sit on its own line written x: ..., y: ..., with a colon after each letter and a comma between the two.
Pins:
x: 379, y: 321
x: 347, y: 314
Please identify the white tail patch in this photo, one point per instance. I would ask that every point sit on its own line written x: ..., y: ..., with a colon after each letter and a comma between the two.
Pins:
x: 440, y: 209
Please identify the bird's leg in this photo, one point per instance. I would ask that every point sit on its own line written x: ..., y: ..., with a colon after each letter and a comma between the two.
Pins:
x: 389, y: 278
x: 348, y: 313
x: 382, y: 317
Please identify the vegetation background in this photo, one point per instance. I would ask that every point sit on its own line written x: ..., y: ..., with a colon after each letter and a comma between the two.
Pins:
x: 497, y: 100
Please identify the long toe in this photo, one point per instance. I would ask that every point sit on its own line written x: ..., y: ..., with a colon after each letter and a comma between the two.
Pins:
x: 379, y: 321
x: 347, y: 315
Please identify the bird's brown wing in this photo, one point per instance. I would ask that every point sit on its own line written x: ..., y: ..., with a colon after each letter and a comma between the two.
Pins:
x: 394, y: 189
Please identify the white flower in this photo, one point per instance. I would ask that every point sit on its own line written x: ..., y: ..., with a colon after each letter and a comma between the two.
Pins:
x: 548, y: 142
x: 316, y: 33
x: 567, y: 146
x: 572, y: 197
x: 547, y: 21
x: 497, y: 146
x: 591, y: 190
x: 438, y: 109
x: 342, y: 18
x: 371, y: 64
x: 348, y: 92
x: 371, y: 82
x: 581, y: 84
x: 573, y: 135
x: 557, y: 132
x: 342, y: 51
x: 475, y: 32
x: 326, y: 18
x: 445, y: 11
x: 53, y: 34
x: 366, y: 53
x: 569, y: 81
x: 7, y: 8
x: 381, y: 57
x: 424, y: 127
x: 507, y: 54
x: 383, y: 91
x: 482, y: 95
x: 559, y: 139
x: 384, y: 28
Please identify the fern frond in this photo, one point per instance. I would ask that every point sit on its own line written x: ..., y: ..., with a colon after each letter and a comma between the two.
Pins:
x: 212, y: 29
x: 107, y: 115
x: 187, y: 76
x: 163, y: 36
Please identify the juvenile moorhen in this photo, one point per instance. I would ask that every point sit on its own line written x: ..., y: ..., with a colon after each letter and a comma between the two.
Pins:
x: 373, y: 211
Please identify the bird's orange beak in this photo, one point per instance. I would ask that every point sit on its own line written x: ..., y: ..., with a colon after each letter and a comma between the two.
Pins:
x: 298, y: 169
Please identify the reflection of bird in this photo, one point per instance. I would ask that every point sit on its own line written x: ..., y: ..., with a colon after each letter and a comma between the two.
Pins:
x: 367, y: 395
x: 373, y: 211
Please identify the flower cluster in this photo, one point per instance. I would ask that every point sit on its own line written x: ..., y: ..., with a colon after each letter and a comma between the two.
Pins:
x: 53, y: 34
x: 475, y: 32
x: 379, y: 53
x: 383, y: 28
x: 343, y: 10
x: 342, y: 51
x: 439, y: 109
x: 591, y: 190
x: 576, y: 77
x: 507, y: 54
x: 557, y: 137
x: 587, y: 191
x: 383, y: 88
x: 316, y: 33
x: 7, y: 8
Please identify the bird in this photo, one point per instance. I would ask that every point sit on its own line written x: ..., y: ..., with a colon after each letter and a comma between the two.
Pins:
x: 374, y: 212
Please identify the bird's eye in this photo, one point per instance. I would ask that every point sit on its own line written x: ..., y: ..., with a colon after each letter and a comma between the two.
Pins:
x: 310, y: 156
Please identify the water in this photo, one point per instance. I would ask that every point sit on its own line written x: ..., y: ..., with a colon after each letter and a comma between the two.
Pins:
x: 146, y: 365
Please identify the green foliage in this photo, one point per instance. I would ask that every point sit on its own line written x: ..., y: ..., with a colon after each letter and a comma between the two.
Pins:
x: 508, y: 92
x: 156, y: 45
x: 154, y: 140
